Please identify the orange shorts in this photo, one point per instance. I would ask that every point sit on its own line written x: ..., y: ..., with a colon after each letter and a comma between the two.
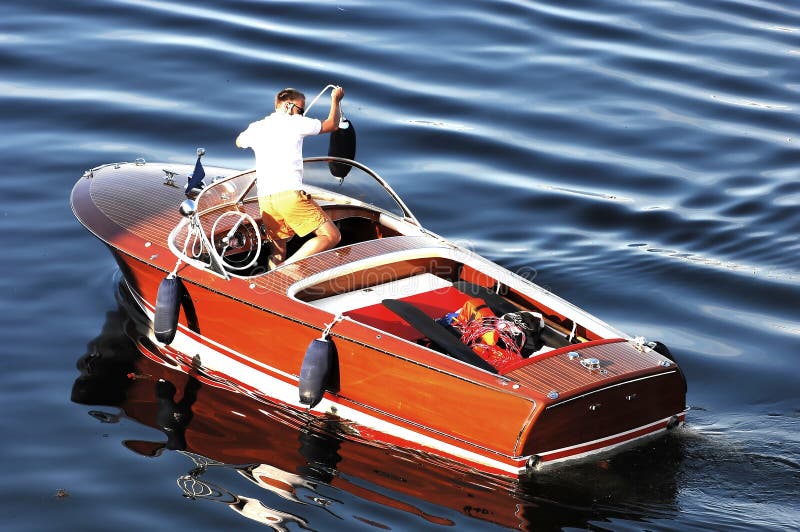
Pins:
x: 290, y: 211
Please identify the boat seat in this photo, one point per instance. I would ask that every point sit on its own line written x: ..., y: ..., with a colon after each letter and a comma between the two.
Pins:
x: 433, y: 303
x: 436, y: 333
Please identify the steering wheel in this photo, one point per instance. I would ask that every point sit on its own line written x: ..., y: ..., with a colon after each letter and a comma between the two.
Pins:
x: 243, y: 236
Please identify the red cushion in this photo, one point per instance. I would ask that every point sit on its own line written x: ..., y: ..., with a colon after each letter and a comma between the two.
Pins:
x: 435, y: 304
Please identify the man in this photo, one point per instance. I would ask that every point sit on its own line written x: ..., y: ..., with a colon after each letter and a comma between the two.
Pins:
x: 286, y: 209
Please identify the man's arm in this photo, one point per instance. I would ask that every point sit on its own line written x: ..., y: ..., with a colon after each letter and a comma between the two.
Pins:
x: 332, y: 122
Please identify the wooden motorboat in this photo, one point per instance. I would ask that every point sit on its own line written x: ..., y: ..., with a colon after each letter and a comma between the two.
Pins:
x: 410, y: 338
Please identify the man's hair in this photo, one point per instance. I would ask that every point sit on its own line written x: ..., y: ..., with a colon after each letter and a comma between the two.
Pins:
x: 288, y: 95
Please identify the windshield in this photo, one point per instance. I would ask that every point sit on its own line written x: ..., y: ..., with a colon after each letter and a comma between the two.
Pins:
x: 360, y: 185
x: 227, y: 192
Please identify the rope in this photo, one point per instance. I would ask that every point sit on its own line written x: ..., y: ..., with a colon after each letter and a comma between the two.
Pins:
x: 508, y: 337
x: 308, y: 107
x: 328, y: 326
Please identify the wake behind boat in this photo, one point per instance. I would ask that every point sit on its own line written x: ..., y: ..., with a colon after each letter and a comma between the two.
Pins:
x: 415, y: 340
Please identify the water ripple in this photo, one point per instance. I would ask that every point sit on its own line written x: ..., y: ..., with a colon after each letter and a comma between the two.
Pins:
x: 639, y: 159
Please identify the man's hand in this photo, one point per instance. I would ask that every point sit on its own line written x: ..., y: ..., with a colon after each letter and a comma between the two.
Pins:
x: 332, y: 122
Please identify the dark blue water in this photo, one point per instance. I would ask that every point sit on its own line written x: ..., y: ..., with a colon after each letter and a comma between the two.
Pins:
x: 638, y: 158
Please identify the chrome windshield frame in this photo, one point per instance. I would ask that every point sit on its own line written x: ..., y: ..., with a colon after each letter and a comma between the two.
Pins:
x: 374, y: 175
x: 406, y: 212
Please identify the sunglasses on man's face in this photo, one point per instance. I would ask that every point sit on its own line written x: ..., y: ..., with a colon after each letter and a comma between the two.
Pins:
x: 300, y: 110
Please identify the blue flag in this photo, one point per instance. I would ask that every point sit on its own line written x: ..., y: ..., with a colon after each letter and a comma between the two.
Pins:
x: 196, y: 178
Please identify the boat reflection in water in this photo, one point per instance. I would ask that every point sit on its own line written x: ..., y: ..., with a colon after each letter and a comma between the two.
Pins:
x: 299, y: 460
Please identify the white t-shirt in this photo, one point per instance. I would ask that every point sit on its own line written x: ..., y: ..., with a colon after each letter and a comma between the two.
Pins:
x: 277, y: 141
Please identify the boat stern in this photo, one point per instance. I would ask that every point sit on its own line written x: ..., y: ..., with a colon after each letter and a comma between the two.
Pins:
x: 598, y: 398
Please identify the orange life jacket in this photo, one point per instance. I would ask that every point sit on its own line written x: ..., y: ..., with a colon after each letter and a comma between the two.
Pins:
x: 475, y: 309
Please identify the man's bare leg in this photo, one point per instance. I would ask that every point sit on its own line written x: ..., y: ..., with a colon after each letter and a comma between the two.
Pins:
x: 326, y: 237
